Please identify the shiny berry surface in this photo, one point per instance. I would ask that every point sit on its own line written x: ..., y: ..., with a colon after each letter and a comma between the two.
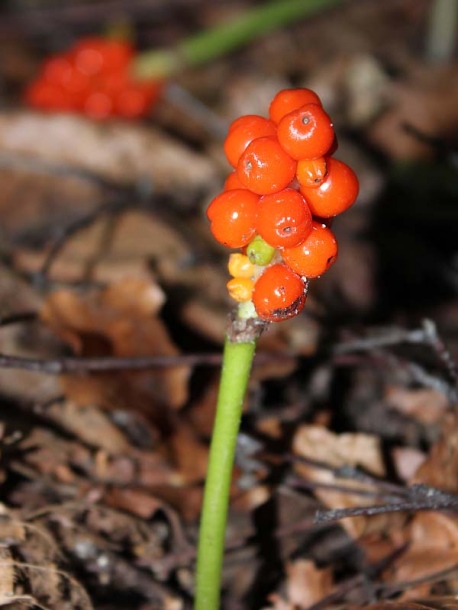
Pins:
x: 306, y: 133
x: 311, y: 173
x: 243, y: 131
x: 278, y: 294
x: 284, y: 219
x: 232, y: 215
x: 315, y: 255
x: 232, y: 182
x: 288, y: 100
x: 265, y: 167
x: 336, y: 193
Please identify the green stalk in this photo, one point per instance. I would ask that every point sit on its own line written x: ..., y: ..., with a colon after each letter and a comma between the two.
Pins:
x: 440, y: 40
x: 226, y: 37
x: 237, y: 361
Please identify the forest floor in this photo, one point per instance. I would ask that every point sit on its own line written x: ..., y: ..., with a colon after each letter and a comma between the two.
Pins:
x: 113, y: 309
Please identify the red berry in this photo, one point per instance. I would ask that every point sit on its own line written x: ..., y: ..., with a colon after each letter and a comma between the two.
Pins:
x: 265, y: 167
x: 306, y: 133
x: 311, y: 173
x: 288, y: 100
x: 136, y: 99
x: 243, y: 131
x: 336, y: 193
x: 284, y: 219
x: 278, y: 294
x: 315, y: 255
x: 232, y: 182
x: 98, y: 105
x: 56, y: 69
x: 232, y: 215
x: 93, y: 56
x: 45, y: 96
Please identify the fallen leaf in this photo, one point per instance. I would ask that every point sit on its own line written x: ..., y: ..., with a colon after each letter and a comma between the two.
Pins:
x: 306, y: 584
x: 440, y: 468
x: 118, y: 321
x: 119, y: 151
x: 336, y: 451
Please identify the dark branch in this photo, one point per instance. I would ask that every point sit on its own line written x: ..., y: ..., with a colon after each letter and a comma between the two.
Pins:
x: 60, y: 366
x: 420, y: 497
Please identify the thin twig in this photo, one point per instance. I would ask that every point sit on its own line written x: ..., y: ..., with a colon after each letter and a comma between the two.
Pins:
x: 59, y: 366
x: 421, y: 497
x: 359, y: 581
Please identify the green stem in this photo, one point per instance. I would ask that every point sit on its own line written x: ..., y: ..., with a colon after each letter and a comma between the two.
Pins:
x: 440, y: 41
x: 225, y: 37
x: 236, y: 369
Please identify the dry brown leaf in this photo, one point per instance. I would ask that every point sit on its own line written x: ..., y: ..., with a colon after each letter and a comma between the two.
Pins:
x: 190, y: 455
x: 406, y: 461
x: 337, y: 450
x: 440, y: 469
x: 319, y: 444
x: 427, y: 102
x: 306, y: 584
x: 89, y: 424
x: 119, y: 151
x: 434, y: 530
x: 425, y: 404
x: 136, y: 239
x: 433, y: 547
x: 133, y: 501
x: 118, y: 321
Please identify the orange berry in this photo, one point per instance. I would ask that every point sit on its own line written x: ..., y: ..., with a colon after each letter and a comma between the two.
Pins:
x: 336, y: 193
x: 284, y: 219
x: 288, y: 100
x: 311, y: 172
x: 243, y: 131
x: 232, y: 182
x: 232, y: 215
x: 315, y: 255
x: 306, y: 133
x: 265, y: 167
x: 278, y: 293
x: 240, y: 289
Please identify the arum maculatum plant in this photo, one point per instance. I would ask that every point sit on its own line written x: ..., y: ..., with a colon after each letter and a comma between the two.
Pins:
x: 275, y: 209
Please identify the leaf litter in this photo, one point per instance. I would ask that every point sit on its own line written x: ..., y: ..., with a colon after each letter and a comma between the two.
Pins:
x: 344, y: 492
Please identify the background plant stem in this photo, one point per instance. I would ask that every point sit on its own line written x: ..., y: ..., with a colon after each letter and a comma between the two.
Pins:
x: 237, y: 362
x: 225, y: 37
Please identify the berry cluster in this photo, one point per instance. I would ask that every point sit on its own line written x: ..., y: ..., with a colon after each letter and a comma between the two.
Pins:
x: 276, y: 204
x: 93, y: 78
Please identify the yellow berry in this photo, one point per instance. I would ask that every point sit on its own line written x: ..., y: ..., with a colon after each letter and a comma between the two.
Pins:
x: 240, y: 265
